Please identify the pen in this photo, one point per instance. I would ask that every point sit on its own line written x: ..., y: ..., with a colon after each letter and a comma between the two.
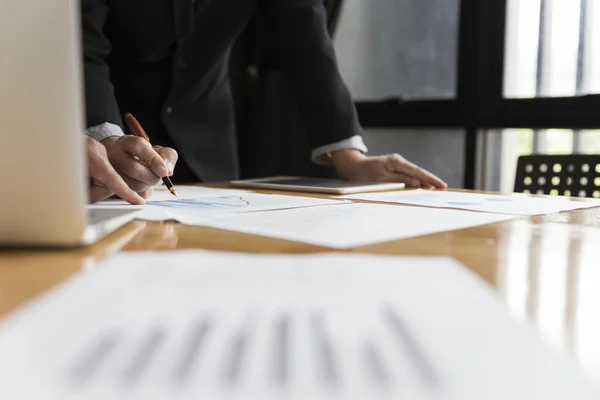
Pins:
x: 138, y: 131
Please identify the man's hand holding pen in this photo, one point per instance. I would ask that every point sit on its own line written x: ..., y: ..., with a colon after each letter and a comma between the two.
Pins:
x: 140, y: 164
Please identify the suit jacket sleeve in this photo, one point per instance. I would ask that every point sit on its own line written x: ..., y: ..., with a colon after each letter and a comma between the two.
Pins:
x: 299, y: 44
x: 101, y: 104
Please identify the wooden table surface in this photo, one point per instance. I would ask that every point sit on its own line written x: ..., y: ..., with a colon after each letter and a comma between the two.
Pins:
x: 546, y: 269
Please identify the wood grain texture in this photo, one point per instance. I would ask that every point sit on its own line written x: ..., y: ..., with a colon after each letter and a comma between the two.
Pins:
x: 546, y: 269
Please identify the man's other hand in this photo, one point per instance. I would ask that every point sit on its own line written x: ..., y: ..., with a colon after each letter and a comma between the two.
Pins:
x: 354, y: 165
x: 105, y: 181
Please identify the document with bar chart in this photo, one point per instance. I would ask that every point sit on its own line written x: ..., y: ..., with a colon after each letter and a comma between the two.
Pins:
x: 204, y: 325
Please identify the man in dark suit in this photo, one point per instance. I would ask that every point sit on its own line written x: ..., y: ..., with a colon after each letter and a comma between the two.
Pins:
x: 166, y: 61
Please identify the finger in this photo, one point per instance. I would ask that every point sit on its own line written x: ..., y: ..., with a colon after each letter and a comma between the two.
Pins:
x: 404, y: 170
x: 117, y: 185
x: 146, y: 195
x: 141, y: 148
x: 430, y: 180
x: 409, y: 181
x: 135, y: 169
x: 101, y: 170
x: 169, y: 155
x: 99, y: 193
x: 135, y: 185
x: 397, y: 163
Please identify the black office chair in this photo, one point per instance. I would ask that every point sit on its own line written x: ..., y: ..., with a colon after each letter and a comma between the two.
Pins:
x: 576, y: 175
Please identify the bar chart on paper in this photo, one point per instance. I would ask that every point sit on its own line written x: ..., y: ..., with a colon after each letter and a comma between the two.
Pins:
x: 204, y: 325
x: 281, y: 352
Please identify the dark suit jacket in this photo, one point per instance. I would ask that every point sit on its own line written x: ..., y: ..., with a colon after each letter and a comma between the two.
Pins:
x: 166, y: 61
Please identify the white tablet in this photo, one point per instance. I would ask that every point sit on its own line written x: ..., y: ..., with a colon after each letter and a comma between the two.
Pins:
x: 317, y: 185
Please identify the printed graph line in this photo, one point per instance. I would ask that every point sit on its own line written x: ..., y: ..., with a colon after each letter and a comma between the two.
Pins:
x: 375, y: 365
x: 215, y: 202
x: 93, y: 359
x: 144, y: 355
x: 281, y: 349
x: 462, y: 203
x: 234, y: 363
x: 324, y: 348
x: 193, y: 349
x: 504, y: 199
x: 409, y: 344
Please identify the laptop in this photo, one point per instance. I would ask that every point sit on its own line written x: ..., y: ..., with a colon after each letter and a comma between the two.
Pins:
x: 43, y: 172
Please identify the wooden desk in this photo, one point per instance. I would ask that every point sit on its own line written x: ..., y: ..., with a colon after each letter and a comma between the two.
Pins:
x: 546, y: 269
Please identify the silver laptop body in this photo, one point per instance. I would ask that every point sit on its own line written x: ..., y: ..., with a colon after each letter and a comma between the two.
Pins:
x: 43, y: 172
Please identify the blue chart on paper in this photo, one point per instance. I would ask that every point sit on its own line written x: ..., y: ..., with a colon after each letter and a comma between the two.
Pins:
x: 501, y: 199
x: 212, y: 202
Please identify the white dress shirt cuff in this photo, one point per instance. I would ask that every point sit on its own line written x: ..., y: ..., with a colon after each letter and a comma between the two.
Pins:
x: 320, y: 155
x: 103, y: 131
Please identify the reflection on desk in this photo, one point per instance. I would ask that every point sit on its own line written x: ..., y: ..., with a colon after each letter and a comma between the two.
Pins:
x: 549, y: 275
x: 27, y: 273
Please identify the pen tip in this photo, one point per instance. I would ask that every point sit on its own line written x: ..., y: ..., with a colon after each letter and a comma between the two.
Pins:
x: 174, y: 192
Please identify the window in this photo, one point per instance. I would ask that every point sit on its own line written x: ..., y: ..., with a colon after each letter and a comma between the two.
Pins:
x: 589, y: 142
x: 514, y: 76
x: 399, y: 48
x: 551, y: 48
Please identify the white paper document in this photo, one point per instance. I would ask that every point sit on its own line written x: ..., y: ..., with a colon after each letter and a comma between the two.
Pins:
x: 161, y: 193
x: 201, y: 207
x: 515, y: 204
x: 349, y: 225
x: 200, y: 325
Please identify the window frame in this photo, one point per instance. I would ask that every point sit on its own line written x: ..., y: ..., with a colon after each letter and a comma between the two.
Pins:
x: 479, y: 103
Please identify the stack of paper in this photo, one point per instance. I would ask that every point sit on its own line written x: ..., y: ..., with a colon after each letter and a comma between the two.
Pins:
x: 197, y: 325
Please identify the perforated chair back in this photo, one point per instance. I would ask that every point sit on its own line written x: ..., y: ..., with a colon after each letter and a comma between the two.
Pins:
x: 575, y: 175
